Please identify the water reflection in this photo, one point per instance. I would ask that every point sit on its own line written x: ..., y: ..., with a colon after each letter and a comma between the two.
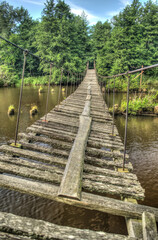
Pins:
x: 31, y: 96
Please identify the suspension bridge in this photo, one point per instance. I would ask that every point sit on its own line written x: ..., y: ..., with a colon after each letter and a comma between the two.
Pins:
x: 74, y: 155
x: 74, y: 158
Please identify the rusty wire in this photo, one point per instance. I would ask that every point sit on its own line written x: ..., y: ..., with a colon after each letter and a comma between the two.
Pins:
x: 50, y: 76
x: 125, y: 136
x: 25, y: 52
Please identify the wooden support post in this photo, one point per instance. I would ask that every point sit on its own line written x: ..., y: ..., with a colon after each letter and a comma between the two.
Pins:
x: 134, y: 226
x: 149, y: 226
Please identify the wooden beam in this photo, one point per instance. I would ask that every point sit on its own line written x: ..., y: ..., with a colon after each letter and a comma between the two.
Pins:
x: 88, y: 201
x: 71, y: 184
x: 149, y: 226
x: 27, y: 228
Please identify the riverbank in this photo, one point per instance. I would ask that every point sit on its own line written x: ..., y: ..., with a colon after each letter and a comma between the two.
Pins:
x: 38, y: 81
x: 138, y: 105
x: 137, y: 84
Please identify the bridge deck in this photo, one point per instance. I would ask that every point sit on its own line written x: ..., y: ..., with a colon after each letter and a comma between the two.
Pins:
x: 73, y: 159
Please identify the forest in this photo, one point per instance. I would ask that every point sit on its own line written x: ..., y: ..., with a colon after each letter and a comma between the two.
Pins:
x: 128, y: 41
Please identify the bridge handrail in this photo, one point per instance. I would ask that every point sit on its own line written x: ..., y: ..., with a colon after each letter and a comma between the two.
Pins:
x: 130, y: 72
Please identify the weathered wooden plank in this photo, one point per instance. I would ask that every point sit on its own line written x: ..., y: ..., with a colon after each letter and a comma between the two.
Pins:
x: 54, y: 142
x: 33, y: 155
x: 112, y: 186
x: 88, y: 201
x: 124, y: 191
x: 56, y: 126
x: 25, y: 162
x: 8, y: 236
x: 118, y: 181
x: 58, y: 121
x: 108, y: 163
x: 74, y: 167
x: 107, y: 172
x: 67, y: 118
x: 46, y: 127
x: 32, y: 173
x: 149, y: 226
x: 51, y: 134
x: 49, y: 150
x: 39, y: 229
x: 103, y: 153
x: 105, y: 136
x: 108, y: 144
x: 7, y: 165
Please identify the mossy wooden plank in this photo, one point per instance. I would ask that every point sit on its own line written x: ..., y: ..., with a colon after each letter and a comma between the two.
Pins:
x: 33, y: 155
x: 149, y: 226
x: 51, y: 134
x: 9, y: 236
x: 88, y: 201
x: 72, y: 180
x: 54, y: 142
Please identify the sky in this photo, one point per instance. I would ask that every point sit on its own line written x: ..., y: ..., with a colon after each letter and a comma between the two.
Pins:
x: 96, y: 10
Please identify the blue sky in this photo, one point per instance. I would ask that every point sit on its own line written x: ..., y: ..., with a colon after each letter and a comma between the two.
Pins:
x: 96, y: 10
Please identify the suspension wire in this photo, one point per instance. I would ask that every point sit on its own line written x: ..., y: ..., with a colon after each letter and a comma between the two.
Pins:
x: 20, y: 98
x: 28, y: 52
x: 22, y: 49
x: 101, y: 85
x: 50, y: 76
x: 77, y: 79
x: 74, y: 82
x: 104, y: 93
x: 67, y: 84
x: 59, y: 95
x: 125, y: 136
x: 113, y: 116
x: 71, y: 82
x: 108, y: 94
x: 105, y: 89
x: 131, y: 72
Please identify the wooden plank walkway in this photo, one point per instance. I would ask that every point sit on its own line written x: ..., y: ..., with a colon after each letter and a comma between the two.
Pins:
x: 73, y: 159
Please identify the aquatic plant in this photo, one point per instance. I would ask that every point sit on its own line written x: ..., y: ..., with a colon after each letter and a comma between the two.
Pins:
x: 11, y: 110
x: 139, y: 105
x: 34, y: 110
x: 63, y: 89
x: 41, y: 90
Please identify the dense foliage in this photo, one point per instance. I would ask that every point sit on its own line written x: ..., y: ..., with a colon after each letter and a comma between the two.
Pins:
x: 127, y: 42
x: 59, y: 36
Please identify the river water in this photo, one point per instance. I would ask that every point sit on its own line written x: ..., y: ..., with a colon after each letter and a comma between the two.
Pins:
x: 142, y: 146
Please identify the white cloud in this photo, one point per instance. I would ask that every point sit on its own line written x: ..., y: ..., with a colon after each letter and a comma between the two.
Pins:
x: 125, y: 2
x: 35, y: 2
x: 113, y: 13
x: 93, y: 19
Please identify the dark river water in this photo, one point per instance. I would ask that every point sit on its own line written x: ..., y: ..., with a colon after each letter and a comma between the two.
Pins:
x: 142, y: 146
